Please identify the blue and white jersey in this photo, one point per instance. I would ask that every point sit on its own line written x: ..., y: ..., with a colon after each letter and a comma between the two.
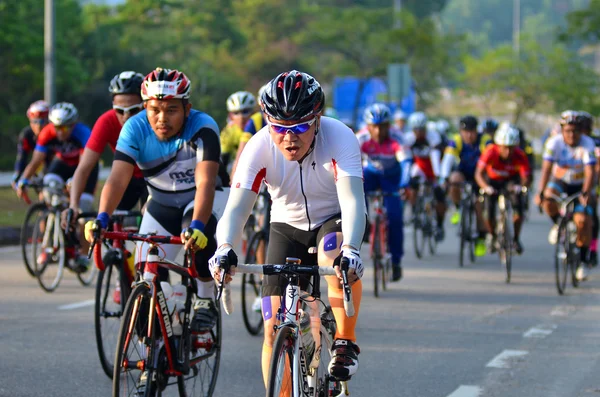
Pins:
x: 169, y: 166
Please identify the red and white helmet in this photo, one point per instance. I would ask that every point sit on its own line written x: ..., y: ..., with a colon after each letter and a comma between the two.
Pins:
x: 38, y: 110
x: 166, y: 84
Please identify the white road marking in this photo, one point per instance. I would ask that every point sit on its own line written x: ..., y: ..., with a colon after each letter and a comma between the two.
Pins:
x: 77, y: 305
x: 539, y: 331
x: 466, y: 391
x: 502, y: 360
x: 562, y: 311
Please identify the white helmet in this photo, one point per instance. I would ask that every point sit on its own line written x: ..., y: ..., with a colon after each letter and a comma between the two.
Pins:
x: 506, y: 135
x: 399, y: 115
x: 63, y: 113
x: 241, y: 100
x: 417, y: 120
x: 431, y: 126
x: 443, y: 126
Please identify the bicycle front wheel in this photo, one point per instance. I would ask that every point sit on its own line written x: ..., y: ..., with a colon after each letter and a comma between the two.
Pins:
x: 133, y: 371
x: 418, y: 231
x: 39, y: 210
x: 561, y: 258
x: 251, y: 288
x: 49, y: 251
x: 279, y: 382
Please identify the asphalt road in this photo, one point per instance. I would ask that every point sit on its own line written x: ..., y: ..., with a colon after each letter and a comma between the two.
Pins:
x: 443, y: 331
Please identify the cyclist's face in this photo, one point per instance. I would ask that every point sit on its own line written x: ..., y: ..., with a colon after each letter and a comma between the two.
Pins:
x: 166, y: 117
x: 571, y: 134
x: 240, y: 118
x: 63, y: 132
x: 400, y: 123
x: 468, y: 137
x: 420, y: 133
x: 37, y: 124
x: 379, y: 132
x: 294, y: 146
x: 505, y: 151
x: 126, y: 101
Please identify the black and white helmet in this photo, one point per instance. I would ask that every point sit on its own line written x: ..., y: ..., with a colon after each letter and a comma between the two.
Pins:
x: 292, y: 96
x: 241, y: 100
x: 127, y: 82
x: 63, y: 113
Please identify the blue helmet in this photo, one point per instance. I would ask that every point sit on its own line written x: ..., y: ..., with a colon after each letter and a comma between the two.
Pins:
x: 377, y: 113
x: 489, y: 125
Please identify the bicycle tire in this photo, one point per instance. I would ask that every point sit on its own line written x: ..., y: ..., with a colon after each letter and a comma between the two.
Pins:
x: 104, y: 294
x: 472, y: 229
x: 431, y: 240
x: 561, y: 259
x: 139, y: 300
x: 376, y: 255
x: 574, y: 262
x: 507, y: 242
x: 418, y: 228
x: 59, y: 256
x: 26, y: 235
x: 386, y: 263
x: 87, y: 278
x: 280, y: 376
x: 199, y: 363
x: 252, y: 285
x: 327, y: 337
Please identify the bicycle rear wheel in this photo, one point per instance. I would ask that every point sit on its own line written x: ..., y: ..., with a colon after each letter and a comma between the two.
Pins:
x: 51, y: 242
x: 561, y: 258
x: 205, y: 357
x: 38, y: 210
x: 471, y: 229
x: 112, y: 291
x: 279, y: 382
x: 251, y: 288
x: 432, y: 242
x: 324, y: 380
x: 464, y: 232
x: 418, y: 230
x: 133, y: 372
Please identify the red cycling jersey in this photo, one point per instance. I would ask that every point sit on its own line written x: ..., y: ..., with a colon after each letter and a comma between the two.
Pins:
x: 500, y: 170
x: 106, y: 131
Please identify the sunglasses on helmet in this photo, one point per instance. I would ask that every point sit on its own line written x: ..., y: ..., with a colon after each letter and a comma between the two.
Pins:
x: 297, y: 129
x: 131, y: 110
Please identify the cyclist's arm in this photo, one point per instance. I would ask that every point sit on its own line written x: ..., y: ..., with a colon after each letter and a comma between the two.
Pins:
x: 238, y: 209
x: 206, y: 177
x: 87, y: 162
x: 36, y: 160
x: 115, y: 186
x: 23, y: 150
x: 588, y: 178
x: 404, y: 157
x: 435, y: 157
x: 447, y: 163
x: 479, y: 176
x: 351, y: 196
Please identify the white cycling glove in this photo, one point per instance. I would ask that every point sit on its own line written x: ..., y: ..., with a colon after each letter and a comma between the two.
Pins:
x: 354, y: 261
x: 223, y: 252
x: 489, y: 190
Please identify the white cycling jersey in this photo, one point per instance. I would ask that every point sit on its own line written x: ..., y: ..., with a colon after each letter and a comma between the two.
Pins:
x: 570, y: 160
x: 303, y: 194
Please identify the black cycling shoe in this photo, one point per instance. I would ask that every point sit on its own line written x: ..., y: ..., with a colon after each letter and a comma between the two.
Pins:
x: 439, y: 234
x: 518, y: 247
x: 205, y: 317
x: 593, y: 258
x: 396, y: 272
x: 344, y: 360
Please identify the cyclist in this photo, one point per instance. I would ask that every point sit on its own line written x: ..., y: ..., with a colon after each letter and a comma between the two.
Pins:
x: 400, y: 121
x: 568, y: 167
x: 501, y: 165
x: 177, y: 148
x: 489, y: 126
x: 386, y: 166
x: 64, y: 138
x: 37, y: 113
x: 458, y: 167
x: 240, y: 106
x: 127, y: 101
x: 586, y: 122
x: 312, y: 168
x: 425, y: 146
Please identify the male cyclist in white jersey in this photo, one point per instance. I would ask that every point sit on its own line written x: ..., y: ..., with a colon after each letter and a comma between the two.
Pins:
x: 312, y: 168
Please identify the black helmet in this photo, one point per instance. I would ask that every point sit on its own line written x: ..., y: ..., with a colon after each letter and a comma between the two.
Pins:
x: 585, y: 120
x: 468, y: 123
x: 126, y: 83
x: 489, y: 125
x: 293, y: 96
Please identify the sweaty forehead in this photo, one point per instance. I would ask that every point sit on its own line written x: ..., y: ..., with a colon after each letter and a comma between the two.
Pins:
x: 164, y: 104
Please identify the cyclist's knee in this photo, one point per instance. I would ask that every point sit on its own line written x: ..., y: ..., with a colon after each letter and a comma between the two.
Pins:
x: 456, y: 177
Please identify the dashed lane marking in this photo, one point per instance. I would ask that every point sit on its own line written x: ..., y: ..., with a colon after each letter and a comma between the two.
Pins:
x: 77, y: 305
x: 504, y: 359
x: 467, y: 391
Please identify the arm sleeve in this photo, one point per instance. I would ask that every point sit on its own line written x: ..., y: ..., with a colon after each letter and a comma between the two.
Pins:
x: 405, y: 173
x: 447, y: 164
x: 351, y: 195
x: 549, y: 150
x: 238, y: 208
x: 435, y: 161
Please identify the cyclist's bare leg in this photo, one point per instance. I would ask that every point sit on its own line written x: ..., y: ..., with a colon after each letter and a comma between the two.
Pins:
x: 481, y: 228
x: 584, y: 229
x: 269, y: 318
x: 550, y: 206
x: 454, y: 191
x: 517, y: 223
x: 345, y: 325
x: 261, y: 252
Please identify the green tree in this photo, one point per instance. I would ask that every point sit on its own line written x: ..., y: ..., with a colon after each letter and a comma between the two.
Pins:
x: 584, y: 24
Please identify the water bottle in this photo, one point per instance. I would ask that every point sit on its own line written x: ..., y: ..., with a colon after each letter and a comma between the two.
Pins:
x: 572, y: 228
x: 307, y: 338
x: 179, y: 296
x: 171, y: 302
x: 310, y: 326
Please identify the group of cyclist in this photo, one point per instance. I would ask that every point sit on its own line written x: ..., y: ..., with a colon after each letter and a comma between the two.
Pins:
x: 174, y: 160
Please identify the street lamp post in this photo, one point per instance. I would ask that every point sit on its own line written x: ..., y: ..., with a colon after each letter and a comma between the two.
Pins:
x: 516, y: 27
x: 49, y: 55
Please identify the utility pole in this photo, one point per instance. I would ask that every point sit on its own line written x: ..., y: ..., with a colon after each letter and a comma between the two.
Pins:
x: 49, y: 55
x: 516, y: 27
x: 397, y: 9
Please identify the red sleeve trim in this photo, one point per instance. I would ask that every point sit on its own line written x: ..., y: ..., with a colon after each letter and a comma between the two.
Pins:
x: 335, y: 171
x: 258, y: 180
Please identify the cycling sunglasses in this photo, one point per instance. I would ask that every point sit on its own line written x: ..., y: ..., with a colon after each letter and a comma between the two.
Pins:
x: 39, y: 121
x: 297, y: 129
x: 64, y: 127
x: 131, y: 110
x: 245, y: 112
